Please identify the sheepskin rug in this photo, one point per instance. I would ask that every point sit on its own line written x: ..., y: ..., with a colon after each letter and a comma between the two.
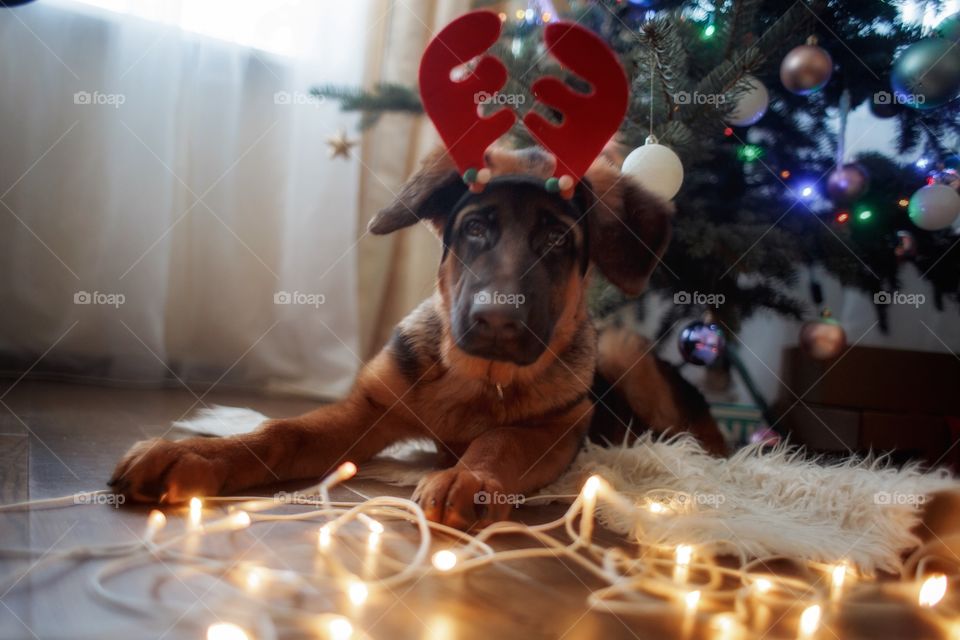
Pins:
x: 759, y: 502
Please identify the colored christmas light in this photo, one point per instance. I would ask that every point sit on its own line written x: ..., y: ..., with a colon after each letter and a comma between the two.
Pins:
x: 750, y: 152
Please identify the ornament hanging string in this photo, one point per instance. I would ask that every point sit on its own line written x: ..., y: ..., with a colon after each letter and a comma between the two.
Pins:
x: 653, y: 63
x: 842, y: 129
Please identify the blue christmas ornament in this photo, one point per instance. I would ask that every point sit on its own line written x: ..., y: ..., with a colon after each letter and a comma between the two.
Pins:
x: 701, y: 343
x: 949, y: 28
x: 927, y: 74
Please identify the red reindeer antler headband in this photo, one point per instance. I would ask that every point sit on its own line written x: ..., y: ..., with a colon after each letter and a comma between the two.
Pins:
x: 589, y: 120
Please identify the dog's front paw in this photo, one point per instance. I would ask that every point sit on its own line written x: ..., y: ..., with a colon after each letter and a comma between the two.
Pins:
x: 170, y: 472
x: 462, y: 498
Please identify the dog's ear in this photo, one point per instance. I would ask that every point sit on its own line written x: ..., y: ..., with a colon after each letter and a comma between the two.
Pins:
x: 629, y: 227
x: 429, y: 195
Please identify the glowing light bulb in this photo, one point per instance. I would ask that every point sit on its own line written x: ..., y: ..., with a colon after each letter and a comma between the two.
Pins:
x: 591, y: 487
x: 347, y: 470
x: 444, y: 560
x: 357, y: 592
x: 806, y: 192
x: 324, y: 537
x: 656, y: 507
x: 838, y: 575
x: 725, y: 625
x: 240, y: 519
x: 155, y: 521
x: 810, y: 620
x: 225, y: 631
x: 547, y: 16
x: 750, y: 152
x: 373, y: 525
x: 683, y: 554
x: 373, y: 541
x: 691, y: 599
x: 762, y: 585
x: 933, y: 590
x: 340, y: 628
x: 440, y: 627
x: 196, y: 512
x: 254, y: 579
x: 520, y: 14
x: 342, y: 473
x: 709, y: 31
x: 589, y: 496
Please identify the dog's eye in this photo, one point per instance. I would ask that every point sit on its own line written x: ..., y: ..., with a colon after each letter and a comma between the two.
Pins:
x: 475, y: 228
x: 557, y: 238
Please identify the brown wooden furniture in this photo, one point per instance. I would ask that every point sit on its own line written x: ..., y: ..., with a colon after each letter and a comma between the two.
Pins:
x: 870, y: 398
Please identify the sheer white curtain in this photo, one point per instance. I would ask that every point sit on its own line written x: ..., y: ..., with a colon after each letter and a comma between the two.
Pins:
x: 178, y: 182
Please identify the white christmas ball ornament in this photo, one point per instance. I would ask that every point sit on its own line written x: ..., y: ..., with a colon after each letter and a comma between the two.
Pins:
x: 656, y: 167
x: 934, y: 207
x: 751, y: 104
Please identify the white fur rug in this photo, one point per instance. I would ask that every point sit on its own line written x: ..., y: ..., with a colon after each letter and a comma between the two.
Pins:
x: 756, y: 502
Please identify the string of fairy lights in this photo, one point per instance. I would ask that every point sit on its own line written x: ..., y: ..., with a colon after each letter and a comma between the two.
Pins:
x: 704, y: 590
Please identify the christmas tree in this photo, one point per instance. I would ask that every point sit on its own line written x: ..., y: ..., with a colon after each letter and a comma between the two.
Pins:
x: 752, y: 96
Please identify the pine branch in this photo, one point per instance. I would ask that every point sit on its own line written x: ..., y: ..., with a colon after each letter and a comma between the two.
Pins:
x: 741, y: 23
x: 669, y: 54
x: 784, y: 34
x: 384, y: 98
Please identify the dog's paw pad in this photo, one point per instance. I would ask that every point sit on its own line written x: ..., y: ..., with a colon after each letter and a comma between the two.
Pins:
x: 462, y: 499
x: 164, y: 471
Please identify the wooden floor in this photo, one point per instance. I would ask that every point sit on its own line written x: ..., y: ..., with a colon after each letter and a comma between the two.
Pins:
x: 58, y: 438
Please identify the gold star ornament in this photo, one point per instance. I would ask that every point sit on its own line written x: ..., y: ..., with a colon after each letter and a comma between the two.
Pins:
x: 340, y: 145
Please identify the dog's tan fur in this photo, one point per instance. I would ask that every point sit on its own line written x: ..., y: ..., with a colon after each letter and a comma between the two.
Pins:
x: 423, y: 386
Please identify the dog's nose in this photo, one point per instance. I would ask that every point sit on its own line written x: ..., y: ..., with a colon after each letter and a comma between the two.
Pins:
x: 501, y: 321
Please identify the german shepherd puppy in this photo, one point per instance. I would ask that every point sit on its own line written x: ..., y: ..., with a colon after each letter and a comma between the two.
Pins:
x: 497, y: 368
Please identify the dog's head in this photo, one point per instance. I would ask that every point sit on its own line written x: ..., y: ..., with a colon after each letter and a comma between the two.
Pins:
x: 515, y: 256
